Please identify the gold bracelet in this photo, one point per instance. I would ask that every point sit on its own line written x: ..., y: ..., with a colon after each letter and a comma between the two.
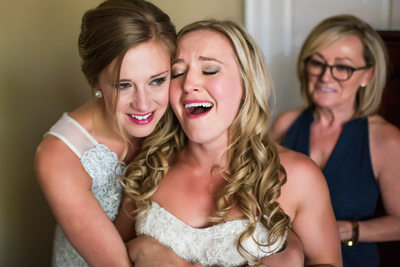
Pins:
x: 355, y: 232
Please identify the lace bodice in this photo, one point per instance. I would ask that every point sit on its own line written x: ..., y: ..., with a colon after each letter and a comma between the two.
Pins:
x: 100, y: 163
x: 211, y: 246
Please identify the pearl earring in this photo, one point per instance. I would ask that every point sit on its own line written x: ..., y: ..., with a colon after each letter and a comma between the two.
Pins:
x: 98, y: 94
x: 362, y: 85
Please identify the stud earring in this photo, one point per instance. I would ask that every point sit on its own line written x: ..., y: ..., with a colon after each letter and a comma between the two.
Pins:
x: 98, y: 94
x: 362, y: 85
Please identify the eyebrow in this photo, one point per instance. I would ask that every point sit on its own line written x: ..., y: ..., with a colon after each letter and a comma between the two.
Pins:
x: 209, y: 59
x: 201, y: 58
x: 340, y: 58
x: 151, y: 77
x: 159, y: 74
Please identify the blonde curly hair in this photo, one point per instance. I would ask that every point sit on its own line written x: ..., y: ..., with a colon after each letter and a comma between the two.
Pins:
x: 255, y: 174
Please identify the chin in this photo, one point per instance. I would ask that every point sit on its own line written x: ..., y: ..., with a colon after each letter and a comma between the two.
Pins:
x: 142, y: 133
x: 197, y: 138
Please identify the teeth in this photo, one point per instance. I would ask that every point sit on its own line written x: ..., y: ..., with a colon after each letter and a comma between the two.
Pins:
x: 138, y: 117
x: 327, y: 89
x: 194, y: 105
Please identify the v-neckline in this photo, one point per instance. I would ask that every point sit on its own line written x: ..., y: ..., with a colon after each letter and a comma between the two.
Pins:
x: 337, y: 144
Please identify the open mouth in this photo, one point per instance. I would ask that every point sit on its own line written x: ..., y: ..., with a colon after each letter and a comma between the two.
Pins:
x: 198, y: 108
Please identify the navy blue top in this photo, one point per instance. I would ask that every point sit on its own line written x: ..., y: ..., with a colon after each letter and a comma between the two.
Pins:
x: 352, y: 185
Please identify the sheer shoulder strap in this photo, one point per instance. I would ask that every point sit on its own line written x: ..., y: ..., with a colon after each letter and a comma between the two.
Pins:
x: 74, y: 135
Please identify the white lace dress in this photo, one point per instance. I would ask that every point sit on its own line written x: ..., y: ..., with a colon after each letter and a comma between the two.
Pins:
x: 100, y: 164
x: 211, y: 246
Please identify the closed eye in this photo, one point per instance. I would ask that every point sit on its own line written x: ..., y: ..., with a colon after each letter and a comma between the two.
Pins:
x: 173, y: 76
x: 210, y: 72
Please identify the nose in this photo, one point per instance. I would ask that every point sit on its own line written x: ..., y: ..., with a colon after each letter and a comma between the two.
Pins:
x: 326, y: 74
x: 191, y: 81
x: 141, y: 100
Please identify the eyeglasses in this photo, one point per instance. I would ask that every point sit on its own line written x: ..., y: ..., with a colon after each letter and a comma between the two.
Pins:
x: 339, y: 72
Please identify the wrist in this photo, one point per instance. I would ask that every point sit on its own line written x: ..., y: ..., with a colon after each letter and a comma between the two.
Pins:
x: 355, y: 232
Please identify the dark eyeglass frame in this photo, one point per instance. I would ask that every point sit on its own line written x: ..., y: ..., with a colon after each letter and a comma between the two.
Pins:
x: 325, y: 65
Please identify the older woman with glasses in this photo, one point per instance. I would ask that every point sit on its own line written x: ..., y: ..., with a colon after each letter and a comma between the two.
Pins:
x: 342, y: 69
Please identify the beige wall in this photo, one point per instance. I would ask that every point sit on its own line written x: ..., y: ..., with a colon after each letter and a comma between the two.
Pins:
x: 183, y: 12
x: 39, y: 79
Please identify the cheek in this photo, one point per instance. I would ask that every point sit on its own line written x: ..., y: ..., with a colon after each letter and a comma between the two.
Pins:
x: 174, y: 94
x: 229, y: 91
x: 163, y: 98
x: 351, y: 88
x: 311, y: 81
x: 123, y: 100
x: 110, y: 102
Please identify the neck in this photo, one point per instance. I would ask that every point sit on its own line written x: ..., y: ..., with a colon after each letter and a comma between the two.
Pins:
x: 205, y: 155
x: 333, y: 116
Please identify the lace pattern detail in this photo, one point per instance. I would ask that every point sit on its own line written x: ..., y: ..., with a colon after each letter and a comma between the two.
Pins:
x: 100, y: 164
x: 211, y: 246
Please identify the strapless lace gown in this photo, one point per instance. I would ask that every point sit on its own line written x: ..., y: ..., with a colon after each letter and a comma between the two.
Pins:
x: 211, y: 246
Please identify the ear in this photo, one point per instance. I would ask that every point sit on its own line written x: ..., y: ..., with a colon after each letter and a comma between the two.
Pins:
x: 367, y: 76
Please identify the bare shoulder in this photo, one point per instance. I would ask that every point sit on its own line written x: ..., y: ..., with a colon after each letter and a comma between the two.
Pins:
x: 297, y: 163
x: 303, y: 175
x: 54, y: 161
x: 51, y: 149
x: 305, y: 184
x: 382, y: 132
x: 283, y: 122
x: 384, y: 139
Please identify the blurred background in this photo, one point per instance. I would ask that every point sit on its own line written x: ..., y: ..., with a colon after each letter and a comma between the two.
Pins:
x: 40, y: 78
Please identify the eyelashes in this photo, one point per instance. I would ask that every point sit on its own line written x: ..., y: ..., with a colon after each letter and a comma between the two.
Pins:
x: 159, y: 81
x: 212, y: 72
x: 155, y: 82
x: 173, y: 76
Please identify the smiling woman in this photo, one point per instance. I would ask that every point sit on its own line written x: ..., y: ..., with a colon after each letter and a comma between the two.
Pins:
x: 356, y: 149
x: 80, y: 158
x: 141, y: 87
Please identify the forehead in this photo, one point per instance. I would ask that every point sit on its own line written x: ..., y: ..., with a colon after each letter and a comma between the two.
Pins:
x: 146, y: 58
x: 349, y: 45
x: 205, y: 43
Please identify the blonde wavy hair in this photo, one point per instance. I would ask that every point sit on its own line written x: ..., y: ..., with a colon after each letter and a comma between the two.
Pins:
x: 331, y: 31
x: 255, y: 174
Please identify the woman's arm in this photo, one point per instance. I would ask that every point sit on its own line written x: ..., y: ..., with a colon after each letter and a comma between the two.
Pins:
x: 306, y: 197
x: 146, y: 251
x: 385, y: 155
x: 125, y: 221
x: 291, y: 256
x: 67, y: 188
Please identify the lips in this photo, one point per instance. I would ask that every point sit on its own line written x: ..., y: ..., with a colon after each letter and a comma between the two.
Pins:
x: 197, y: 108
x: 325, y: 89
x: 141, y: 119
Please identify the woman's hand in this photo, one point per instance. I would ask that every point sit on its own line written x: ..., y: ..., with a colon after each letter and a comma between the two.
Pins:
x: 344, y: 229
x: 146, y: 251
x: 291, y: 256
